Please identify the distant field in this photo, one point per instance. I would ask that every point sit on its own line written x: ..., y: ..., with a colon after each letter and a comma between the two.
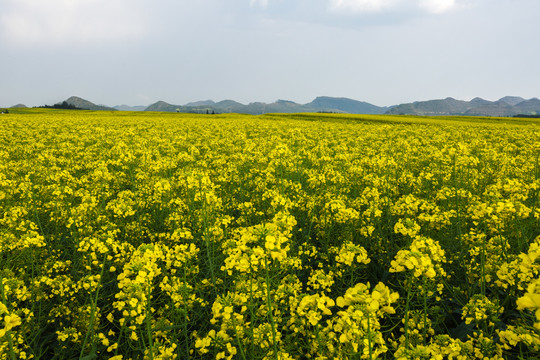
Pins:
x: 129, y: 235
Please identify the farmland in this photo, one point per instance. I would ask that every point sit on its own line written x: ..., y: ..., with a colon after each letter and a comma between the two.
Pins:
x: 172, y: 236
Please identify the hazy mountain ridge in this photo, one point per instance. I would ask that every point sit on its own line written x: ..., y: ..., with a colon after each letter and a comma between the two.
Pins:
x: 320, y: 104
x: 512, y: 100
x: 130, y: 108
x: 346, y: 105
x: 201, y: 103
x: 87, y: 105
x: 506, y: 106
x: 448, y: 106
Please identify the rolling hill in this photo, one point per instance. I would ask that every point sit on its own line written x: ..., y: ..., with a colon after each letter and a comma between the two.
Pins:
x: 86, y: 105
x: 326, y: 103
x: 506, y: 106
x: 320, y: 104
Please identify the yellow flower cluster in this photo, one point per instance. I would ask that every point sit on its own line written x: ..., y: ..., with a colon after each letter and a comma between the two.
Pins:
x: 14, y: 318
x: 257, y: 247
x: 313, y: 307
x: 481, y: 310
x: 358, y: 327
x: 531, y: 300
x: 522, y: 270
x: 350, y: 252
x: 424, y: 258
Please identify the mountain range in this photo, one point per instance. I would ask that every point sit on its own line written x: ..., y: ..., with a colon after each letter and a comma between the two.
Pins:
x: 322, y: 103
x: 506, y: 106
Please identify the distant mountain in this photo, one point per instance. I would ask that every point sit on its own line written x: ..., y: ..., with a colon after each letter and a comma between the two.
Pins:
x: 448, y: 106
x: 227, y: 106
x: 506, y: 106
x: 322, y: 103
x: 497, y: 108
x: 163, y: 106
x: 512, y: 100
x: 479, y: 101
x: 200, y: 103
x: 279, y: 106
x: 130, y: 108
x: 529, y: 106
x: 19, y: 106
x: 85, y: 104
x: 325, y: 103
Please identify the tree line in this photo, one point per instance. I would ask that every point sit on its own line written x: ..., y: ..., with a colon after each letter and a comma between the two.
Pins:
x: 62, y: 105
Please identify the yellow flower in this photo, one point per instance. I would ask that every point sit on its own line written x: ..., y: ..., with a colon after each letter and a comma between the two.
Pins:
x: 110, y: 317
x: 528, y: 301
x: 11, y: 321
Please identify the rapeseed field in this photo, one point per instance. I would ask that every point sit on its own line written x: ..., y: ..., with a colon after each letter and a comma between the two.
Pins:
x: 173, y: 236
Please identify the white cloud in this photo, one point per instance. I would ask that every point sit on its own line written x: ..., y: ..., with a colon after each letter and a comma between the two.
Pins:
x: 374, y: 6
x: 361, y: 5
x: 438, y: 6
x: 262, y: 3
x: 57, y: 22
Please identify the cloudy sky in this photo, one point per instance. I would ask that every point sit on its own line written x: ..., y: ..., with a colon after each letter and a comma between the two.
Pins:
x: 385, y: 52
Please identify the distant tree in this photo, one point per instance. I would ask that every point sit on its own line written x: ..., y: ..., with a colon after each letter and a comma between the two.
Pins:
x: 527, y: 116
x: 63, y: 105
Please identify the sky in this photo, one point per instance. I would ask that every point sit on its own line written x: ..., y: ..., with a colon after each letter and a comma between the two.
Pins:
x: 385, y: 52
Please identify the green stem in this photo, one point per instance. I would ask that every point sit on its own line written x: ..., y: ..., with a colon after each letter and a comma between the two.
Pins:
x: 122, y: 330
x: 369, y: 338
x: 458, y: 214
x: 40, y: 226
x: 186, y: 335
x: 425, y: 309
x: 10, y: 340
x: 149, y: 323
x: 209, y: 256
x: 270, y: 312
x: 318, y: 336
x: 94, y: 301
x: 483, y: 267
x: 238, y: 338
x: 458, y: 219
x: 406, y: 328
x: 252, y: 315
